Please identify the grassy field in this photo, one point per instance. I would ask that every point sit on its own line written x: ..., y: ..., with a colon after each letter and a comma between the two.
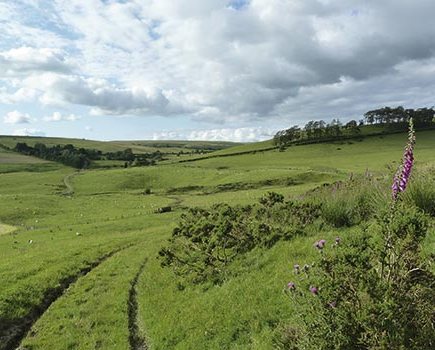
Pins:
x: 79, y: 267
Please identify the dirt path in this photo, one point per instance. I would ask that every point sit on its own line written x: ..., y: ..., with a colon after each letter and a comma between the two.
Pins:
x: 69, y: 190
x: 137, y: 342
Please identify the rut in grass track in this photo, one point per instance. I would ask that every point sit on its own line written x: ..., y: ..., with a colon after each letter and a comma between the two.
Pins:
x: 137, y: 342
x: 69, y: 189
x: 13, y: 331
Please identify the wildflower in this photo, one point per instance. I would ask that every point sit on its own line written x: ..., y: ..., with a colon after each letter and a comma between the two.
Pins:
x: 403, y: 174
x: 296, y: 267
x: 291, y: 286
x: 337, y: 240
x: 314, y: 290
x: 320, y: 244
x: 306, y: 267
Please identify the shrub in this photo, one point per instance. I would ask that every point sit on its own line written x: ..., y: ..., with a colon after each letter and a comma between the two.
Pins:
x: 369, y: 293
x: 207, y: 241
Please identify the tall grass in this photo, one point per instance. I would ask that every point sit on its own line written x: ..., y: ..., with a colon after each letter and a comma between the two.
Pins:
x: 345, y: 204
x: 421, y: 192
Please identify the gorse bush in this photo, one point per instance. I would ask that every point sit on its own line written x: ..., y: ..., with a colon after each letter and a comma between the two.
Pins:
x: 371, y: 290
x: 206, y: 241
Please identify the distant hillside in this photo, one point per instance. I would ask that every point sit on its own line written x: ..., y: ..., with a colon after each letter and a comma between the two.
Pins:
x: 138, y: 146
x: 365, y: 131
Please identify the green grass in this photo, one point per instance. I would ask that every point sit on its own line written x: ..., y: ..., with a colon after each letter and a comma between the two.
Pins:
x: 12, y: 162
x: 58, y: 235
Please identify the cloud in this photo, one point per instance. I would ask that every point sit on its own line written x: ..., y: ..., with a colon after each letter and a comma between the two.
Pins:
x: 20, y: 95
x: 102, y: 96
x: 28, y: 132
x: 27, y: 60
x: 220, y: 61
x: 224, y: 134
x: 57, y: 117
x: 16, y: 117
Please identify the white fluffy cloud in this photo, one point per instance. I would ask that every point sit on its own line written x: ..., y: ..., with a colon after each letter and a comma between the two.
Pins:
x: 28, y: 132
x: 16, y: 117
x: 23, y: 61
x: 224, y: 134
x: 58, y: 117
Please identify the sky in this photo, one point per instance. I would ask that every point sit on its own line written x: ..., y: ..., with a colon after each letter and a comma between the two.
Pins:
x: 236, y: 70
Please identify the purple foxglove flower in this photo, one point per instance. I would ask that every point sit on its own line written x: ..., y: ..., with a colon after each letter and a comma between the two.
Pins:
x: 401, y: 178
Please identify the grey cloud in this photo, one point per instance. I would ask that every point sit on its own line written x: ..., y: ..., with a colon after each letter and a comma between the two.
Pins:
x: 106, y: 98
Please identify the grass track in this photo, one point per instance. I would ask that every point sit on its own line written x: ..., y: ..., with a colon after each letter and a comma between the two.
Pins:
x: 94, y: 312
x: 15, y: 330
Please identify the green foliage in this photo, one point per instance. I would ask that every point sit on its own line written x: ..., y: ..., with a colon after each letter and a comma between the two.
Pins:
x: 206, y: 241
x: 271, y: 198
x: 373, y: 289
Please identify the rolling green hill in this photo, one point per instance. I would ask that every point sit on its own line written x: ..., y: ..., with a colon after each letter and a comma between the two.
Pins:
x: 80, y: 269
x: 113, y: 146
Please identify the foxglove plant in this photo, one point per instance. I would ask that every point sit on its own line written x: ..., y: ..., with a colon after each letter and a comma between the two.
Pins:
x: 403, y: 174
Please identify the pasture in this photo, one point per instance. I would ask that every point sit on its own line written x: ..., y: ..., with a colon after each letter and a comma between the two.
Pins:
x: 79, y: 267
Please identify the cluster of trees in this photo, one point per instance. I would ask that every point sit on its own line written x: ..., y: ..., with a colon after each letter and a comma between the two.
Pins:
x: 391, y: 118
x: 79, y: 158
x: 388, y: 115
x: 317, y: 130
x: 146, y: 159
x: 126, y: 155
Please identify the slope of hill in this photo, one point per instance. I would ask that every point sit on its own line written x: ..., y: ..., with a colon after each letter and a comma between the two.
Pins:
x: 90, y: 255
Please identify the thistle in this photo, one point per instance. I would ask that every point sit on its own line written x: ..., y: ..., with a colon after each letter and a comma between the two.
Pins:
x: 404, y: 171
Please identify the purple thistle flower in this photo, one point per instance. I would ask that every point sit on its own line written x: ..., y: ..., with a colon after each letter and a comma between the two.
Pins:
x: 314, y: 290
x: 320, y: 244
x: 291, y: 286
x: 401, y: 178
